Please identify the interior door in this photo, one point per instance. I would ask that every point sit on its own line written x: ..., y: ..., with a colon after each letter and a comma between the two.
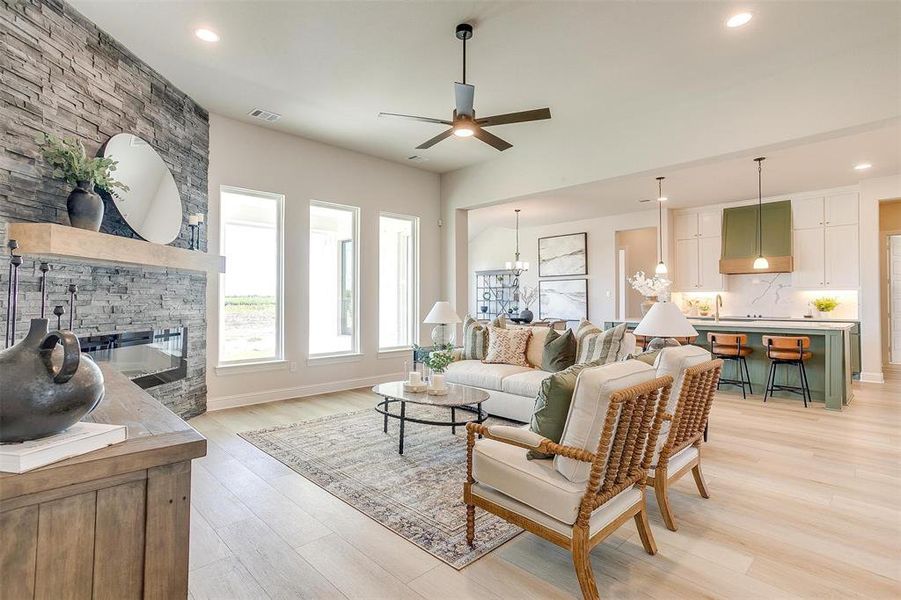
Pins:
x: 809, y: 253
x: 894, y: 260
x: 842, y: 257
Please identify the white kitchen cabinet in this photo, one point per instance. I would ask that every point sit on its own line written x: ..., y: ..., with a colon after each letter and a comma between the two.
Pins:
x: 809, y: 258
x: 685, y: 226
x: 842, y: 257
x: 687, y: 264
x: 709, y: 276
x: 698, y: 248
x: 807, y: 212
x: 826, y: 242
x: 710, y: 224
x: 841, y: 209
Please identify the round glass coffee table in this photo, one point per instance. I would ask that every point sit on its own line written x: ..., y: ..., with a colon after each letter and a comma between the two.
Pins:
x: 458, y: 396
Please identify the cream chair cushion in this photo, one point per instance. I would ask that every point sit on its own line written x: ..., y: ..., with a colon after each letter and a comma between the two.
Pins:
x: 478, y: 374
x: 673, y: 361
x: 682, y: 458
x: 533, y: 482
x: 600, y: 518
x: 588, y: 409
x: 525, y: 384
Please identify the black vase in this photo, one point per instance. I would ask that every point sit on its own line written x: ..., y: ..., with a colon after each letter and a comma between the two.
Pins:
x: 85, y: 207
x: 526, y: 315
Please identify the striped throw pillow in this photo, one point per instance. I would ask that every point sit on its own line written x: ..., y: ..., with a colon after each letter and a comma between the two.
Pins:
x: 598, y: 345
x: 475, y: 337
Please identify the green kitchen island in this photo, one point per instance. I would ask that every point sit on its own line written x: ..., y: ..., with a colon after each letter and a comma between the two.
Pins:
x: 828, y: 370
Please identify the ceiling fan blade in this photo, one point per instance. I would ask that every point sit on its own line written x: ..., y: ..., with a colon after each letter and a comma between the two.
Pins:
x: 537, y: 114
x: 464, y: 94
x: 491, y: 139
x: 415, y: 118
x: 429, y: 143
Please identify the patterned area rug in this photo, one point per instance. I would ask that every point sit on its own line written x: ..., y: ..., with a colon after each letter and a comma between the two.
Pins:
x: 418, y: 495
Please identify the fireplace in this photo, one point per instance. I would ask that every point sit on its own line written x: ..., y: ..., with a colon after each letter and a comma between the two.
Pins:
x: 149, y: 358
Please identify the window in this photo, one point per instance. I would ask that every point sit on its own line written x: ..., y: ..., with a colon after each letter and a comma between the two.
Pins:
x: 250, y: 309
x: 398, y: 275
x: 333, y: 279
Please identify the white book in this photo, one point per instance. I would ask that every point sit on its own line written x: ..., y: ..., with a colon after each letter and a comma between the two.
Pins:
x: 81, y: 438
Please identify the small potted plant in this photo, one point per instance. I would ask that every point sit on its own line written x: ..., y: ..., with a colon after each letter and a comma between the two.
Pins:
x: 438, y: 362
x: 70, y: 163
x: 704, y: 308
x: 825, y: 305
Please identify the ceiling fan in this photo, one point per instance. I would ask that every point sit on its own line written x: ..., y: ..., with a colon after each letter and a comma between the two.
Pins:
x: 464, y: 122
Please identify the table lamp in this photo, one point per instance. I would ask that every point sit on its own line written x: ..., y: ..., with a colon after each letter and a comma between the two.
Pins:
x: 444, y: 318
x: 663, y: 323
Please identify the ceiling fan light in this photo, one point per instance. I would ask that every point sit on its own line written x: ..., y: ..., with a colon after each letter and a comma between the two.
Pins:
x: 463, y: 131
x: 661, y: 268
x: 761, y: 263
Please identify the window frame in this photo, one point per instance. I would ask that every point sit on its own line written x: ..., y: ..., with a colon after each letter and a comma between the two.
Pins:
x: 355, y: 337
x: 414, y: 309
x: 279, y: 356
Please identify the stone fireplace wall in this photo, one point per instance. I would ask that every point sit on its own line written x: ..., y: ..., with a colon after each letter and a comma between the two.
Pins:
x: 60, y: 74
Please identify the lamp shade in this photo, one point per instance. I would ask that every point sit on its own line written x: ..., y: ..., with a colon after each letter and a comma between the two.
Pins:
x: 441, y: 313
x: 665, y: 320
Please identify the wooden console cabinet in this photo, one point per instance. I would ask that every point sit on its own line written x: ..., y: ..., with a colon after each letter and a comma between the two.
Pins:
x: 113, y: 523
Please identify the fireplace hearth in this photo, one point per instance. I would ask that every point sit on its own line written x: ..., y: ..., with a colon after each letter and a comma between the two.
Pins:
x: 149, y: 358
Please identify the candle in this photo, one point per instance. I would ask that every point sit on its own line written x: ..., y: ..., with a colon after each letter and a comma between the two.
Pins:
x: 415, y: 378
x: 192, y: 220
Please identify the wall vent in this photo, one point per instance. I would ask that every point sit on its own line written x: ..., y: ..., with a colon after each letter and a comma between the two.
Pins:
x: 264, y: 115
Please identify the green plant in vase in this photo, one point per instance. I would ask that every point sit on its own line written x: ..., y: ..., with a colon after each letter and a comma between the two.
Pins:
x: 438, y: 362
x: 69, y: 161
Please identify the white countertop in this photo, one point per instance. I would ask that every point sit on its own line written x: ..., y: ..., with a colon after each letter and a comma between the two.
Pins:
x: 799, y: 324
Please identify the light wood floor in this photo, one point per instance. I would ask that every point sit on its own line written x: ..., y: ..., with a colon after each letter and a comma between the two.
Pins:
x: 804, y: 503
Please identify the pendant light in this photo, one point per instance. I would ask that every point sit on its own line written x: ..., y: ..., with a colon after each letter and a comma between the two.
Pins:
x: 760, y: 262
x: 517, y: 266
x: 661, y: 266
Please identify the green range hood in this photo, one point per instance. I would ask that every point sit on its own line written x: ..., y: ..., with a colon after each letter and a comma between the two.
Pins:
x: 740, y: 238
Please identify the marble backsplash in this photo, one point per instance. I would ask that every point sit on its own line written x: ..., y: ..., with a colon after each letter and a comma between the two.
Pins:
x: 772, y: 295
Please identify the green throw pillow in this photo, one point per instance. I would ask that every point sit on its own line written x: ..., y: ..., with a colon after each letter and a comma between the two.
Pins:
x: 552, y: 404
x: 559, y: 351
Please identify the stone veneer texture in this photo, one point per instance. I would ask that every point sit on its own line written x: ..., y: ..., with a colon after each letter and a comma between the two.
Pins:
x: 60, y: 74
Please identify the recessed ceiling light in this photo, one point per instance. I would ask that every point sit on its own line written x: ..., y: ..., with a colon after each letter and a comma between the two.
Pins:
x: 862, y: 166
x: 739, y: 19
x: 207, y: 35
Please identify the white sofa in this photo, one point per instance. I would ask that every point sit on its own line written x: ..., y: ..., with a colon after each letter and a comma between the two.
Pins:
x: 513, y: 389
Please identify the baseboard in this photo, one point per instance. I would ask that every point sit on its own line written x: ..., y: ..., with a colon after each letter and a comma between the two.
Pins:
x: 872, y: 377
x: 248, y: 399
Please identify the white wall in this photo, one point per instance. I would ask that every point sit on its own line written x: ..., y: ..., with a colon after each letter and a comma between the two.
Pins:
x: 258, y: 158
x: 494, y: 246
x: 872, y: 192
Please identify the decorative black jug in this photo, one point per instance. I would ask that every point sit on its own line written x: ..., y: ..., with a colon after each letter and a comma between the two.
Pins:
x: 44, y: 388
x: 85, y: 208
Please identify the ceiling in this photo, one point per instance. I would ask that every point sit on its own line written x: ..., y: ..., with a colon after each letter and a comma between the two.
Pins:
x: 813, y: 164
x: 330, y: 67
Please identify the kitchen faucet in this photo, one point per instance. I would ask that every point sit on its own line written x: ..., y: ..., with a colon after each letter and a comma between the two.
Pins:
x: 718, y: 303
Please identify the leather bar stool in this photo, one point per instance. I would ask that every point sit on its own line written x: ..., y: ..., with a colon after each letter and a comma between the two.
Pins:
x: 787, y: 350
x: 733, y: 347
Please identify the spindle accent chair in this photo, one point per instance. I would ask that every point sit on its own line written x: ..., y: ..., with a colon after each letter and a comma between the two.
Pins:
x: 595, y: 482
x: 686, y: 419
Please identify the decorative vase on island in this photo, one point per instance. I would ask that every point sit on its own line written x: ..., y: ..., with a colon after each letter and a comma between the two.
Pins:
x: 649, y: 301
x: 526, y: 315
x: 44, y: 388
x: 85, y: 207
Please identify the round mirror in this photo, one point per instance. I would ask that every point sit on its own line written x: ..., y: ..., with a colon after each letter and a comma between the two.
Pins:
x: 152, y: 204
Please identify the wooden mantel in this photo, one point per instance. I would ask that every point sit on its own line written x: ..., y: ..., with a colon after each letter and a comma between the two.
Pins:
x: 60, y: 241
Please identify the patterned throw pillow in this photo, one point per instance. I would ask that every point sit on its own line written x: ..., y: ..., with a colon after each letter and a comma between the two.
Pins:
x: 508, y: 346
x: 594, y: 344
x: 475, y: 337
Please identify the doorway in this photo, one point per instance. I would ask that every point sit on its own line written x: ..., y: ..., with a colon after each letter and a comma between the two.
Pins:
x: 890, y: 283
x: 636, y: 250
